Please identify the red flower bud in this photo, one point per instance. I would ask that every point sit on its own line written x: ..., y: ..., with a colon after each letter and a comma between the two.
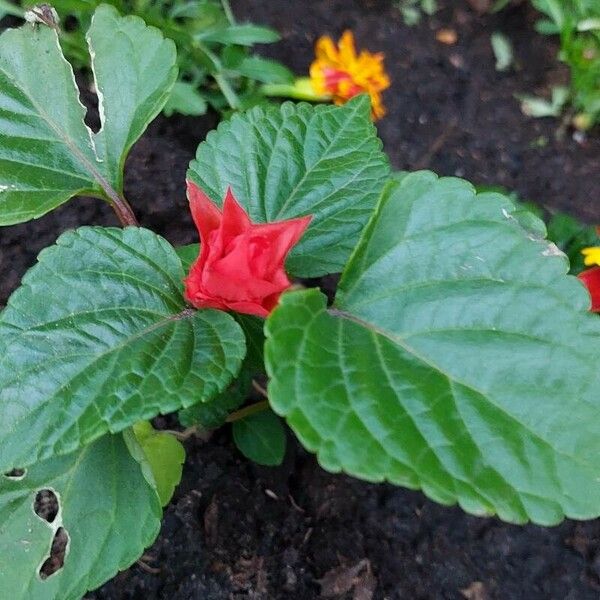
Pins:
x: 241, y: 264
x: 591, y: 278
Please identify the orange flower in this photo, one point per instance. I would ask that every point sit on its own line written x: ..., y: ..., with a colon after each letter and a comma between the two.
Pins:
x: 341, y: 73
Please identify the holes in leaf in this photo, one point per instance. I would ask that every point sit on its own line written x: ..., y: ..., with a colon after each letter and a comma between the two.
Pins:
x: 56, y: 560
x: 16, y: 474
x: 46, y: 505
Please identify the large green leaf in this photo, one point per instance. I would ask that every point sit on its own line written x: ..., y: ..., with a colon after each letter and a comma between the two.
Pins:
x: 47, y: 153
x: 107, y: 508
x: 134, y: 69
x: 458, y: 358
x: 283, y: 162
x: 98, y: 337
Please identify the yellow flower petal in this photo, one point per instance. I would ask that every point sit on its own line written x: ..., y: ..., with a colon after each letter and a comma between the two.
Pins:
x: 347, y: 49
x: 592, y: 256
x: 338, y: 71
x: 325, y: 49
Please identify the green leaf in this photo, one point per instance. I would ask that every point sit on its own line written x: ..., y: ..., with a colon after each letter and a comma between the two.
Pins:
x: 265, y: 70
x: 572, y: 236
x: 48, y: 154
x: 165, y: 455
x: 458, y: 358
x: 536, y: 107
x: 283, y: 162
x: 188, y: 254
x: 134, y: 71
x: 503, y: 51
x: 243, y: 35
x: 261, y: 438
x: 108, y: 510
x: 185, y: 100
x: 8, y: 8
x: 214, y: 413
x: 98, y: 337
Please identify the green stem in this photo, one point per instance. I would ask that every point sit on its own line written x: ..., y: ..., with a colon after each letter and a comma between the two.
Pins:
x: 301, y: 89
x: 228, y: 12
x: 228, y: 92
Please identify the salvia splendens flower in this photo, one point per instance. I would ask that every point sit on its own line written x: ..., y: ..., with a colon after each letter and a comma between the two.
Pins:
x: 241, y: 264
x: 342, y: 73
x: 591, y: 278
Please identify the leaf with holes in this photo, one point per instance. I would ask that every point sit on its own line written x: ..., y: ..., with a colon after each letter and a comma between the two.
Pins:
x: 458, y: 358
x: 134, y: 71
x: 98, y: 337
x: 165, y: 455
x: 261, y: 438
x: 97, y: 508
x: 293, y: 160
x: 47, y: 153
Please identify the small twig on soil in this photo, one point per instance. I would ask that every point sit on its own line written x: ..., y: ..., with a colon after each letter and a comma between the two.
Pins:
x: 247, y: 411
x: 146, y: 567
x: 435, y: 147
x: 259, y: 388
x: 184, y: 435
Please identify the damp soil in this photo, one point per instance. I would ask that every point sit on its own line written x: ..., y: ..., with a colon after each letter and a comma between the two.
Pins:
x: 235, y: 530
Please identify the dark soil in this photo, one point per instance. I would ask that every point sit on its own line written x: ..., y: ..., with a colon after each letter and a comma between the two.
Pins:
x: 235, y: 530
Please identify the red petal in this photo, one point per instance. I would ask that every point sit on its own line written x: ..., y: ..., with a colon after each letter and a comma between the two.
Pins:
x: 249, y: 308
x: 205, y: 213
x: 283, y: 235
x: 235, y: 218
x: 591, y: 278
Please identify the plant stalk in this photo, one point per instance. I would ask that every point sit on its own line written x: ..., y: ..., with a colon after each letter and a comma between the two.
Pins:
x: 247, y: 411
x: 123, y: 211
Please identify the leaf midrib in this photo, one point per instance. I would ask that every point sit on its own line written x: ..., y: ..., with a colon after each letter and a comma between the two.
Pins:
x: 62, y: 135
x: 184, y: 314
x: 322, y: 157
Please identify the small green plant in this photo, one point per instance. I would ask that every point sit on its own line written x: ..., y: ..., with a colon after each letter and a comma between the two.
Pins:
x: 214, y: 53
x: 412, y: 10
x: 577, y: 22
x: 458, y: 356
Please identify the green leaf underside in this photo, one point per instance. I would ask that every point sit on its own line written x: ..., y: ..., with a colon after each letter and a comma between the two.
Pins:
x: 110, y: 512
x: 98, y: 337
x: 261, y: 438
x: 285, y: 162
x: 165, y: 455
x: 458, y: 358
x: 48, y: 154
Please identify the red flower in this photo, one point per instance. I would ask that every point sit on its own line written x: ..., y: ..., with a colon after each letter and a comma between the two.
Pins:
x: 591, y: 278
x: 241, y: 264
